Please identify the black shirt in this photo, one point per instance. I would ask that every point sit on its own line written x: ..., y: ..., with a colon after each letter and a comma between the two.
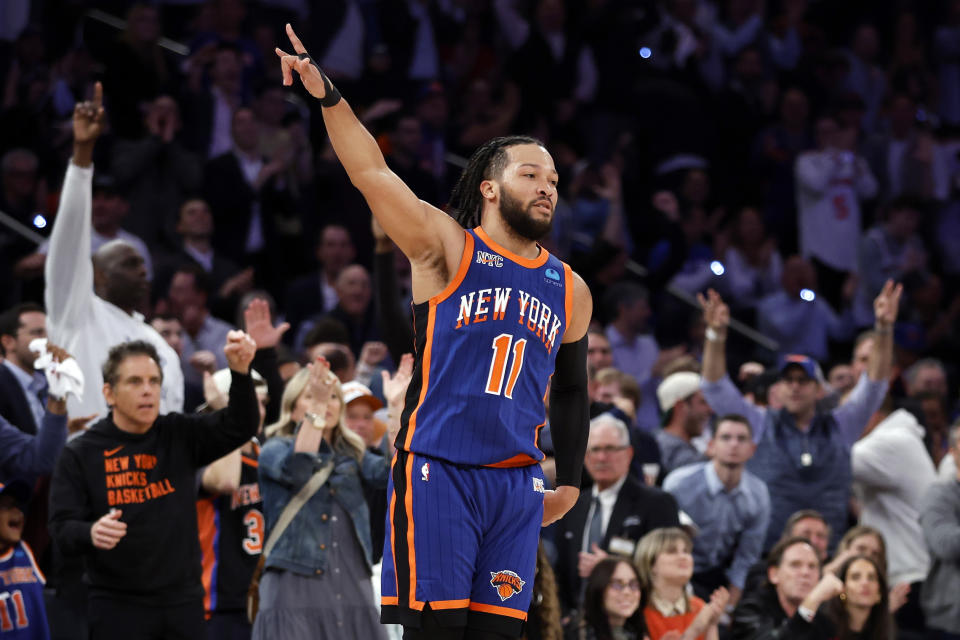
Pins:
x: 150, y: 477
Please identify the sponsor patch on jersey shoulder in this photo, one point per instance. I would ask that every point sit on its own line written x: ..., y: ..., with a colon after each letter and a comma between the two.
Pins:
x: 507, y: 583
x: 552, y: 276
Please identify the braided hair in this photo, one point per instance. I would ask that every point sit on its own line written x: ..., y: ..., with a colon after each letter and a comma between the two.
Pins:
x: 486, y: 163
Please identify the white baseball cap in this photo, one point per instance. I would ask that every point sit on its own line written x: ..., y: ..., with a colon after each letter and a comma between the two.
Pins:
x: 353, y: 390
x: 677, y: 386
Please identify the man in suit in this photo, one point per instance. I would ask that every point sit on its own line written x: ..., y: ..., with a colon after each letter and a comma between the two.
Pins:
x: 246, y: 195
x: 22, y: 388
x: 316, y: 292
x: 228, y: 283
x: 612, y: 516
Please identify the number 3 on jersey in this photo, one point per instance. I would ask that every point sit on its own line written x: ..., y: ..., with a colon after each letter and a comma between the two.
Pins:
x: 253, y: 543
x: 501, y: 351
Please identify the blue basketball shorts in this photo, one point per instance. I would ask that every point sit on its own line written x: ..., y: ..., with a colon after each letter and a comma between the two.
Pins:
x: 463, y: 539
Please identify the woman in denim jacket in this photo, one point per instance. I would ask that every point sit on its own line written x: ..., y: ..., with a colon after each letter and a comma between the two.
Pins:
x: 316, y: 581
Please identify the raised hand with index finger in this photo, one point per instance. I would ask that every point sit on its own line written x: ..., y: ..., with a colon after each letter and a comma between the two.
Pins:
x: 313, y: 78
x: 88, y: 118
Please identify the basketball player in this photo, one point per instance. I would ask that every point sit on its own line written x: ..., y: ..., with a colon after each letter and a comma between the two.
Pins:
x: 499, y: 324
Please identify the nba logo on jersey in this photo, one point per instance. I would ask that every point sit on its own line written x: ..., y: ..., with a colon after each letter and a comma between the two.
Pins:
x: 538, y: 485
x: 425, y: 472
x: 507, y: 583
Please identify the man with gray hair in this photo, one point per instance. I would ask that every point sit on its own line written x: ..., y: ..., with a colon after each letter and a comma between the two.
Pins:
x: 92, y: 306
x: 612, y: 516
x: 941, y: 529
x: 926, y: 376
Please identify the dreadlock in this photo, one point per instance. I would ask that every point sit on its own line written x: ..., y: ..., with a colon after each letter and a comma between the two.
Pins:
x: 486, y: 163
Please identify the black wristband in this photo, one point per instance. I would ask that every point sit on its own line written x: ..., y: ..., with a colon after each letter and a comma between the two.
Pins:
x: 331, y: 95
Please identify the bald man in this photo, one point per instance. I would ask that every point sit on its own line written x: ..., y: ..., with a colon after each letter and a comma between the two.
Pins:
x: 92, y: 305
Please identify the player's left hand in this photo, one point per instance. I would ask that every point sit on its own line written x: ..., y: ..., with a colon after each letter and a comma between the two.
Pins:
x: 557, y: 502
x: 239, y: 350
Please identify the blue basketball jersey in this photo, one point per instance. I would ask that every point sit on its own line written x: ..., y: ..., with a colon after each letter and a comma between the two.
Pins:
x: 22, y: 614
x: 486, y: 347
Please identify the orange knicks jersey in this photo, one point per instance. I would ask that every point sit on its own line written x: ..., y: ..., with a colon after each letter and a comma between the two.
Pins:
x: 486, y: 347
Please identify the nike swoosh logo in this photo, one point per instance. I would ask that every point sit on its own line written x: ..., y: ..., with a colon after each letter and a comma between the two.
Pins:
x: 107, y: 454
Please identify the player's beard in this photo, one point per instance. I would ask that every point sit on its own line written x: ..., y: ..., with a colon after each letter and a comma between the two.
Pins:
x: 520, y: 219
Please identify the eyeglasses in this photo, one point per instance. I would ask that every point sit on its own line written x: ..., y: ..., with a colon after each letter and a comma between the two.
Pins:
x: 596, y: 451
x: 620, y: 586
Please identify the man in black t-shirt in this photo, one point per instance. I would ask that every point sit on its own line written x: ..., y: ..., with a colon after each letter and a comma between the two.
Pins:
x: 123, y: 495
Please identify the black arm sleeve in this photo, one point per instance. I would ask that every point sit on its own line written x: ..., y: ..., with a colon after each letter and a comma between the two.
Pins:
x: 570, y: 411
x: 265, y: 362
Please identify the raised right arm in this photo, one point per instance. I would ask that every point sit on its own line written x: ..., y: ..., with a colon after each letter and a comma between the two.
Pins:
x: 68, y: 269
x: 423, y: 232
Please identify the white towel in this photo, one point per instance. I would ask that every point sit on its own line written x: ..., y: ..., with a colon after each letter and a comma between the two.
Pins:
x: 62, y: 377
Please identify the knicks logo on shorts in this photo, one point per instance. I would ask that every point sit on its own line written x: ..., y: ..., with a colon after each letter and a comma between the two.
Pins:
x: 507, y: 583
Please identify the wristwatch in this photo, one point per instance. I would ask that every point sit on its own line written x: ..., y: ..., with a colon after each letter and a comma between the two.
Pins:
x: 315, y: 421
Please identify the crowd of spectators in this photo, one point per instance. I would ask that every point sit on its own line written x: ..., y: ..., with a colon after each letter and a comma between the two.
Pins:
x: 793, y: 164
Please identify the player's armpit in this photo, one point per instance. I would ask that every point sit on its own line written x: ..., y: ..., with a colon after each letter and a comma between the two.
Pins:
x: 570, y: 411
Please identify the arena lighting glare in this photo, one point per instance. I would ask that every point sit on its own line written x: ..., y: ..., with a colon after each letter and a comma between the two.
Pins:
x: 808, y: 295
x: 717, y: 267
x: 39, y: 221
x: 645, y: 52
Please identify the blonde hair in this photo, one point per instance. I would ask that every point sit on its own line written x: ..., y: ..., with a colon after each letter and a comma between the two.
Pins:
x: 651, y: 546
x: 342, y: 437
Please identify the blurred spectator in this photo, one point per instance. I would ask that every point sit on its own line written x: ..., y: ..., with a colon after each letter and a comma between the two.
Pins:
x: 282, y: 134
x: 156, y: 173
x: 354, y: 309
x: 685, y: 414
x: 793, y: 569
x: 892, y: 249
x: 316, y: 293
x: 730, y: 507
x: 93, y: 306
x: 138, y: 70
x: 170, y: 329
x: 110, y: 208
x: 247, y: 194
x: 404, y: 159
x: 226, y: 280
x: 223, y: 27
x: 230, y: 521
x: 29, y: 456
x: 610, y: 518
x: 545, y: 50
x: 635, y: 351
x: 23, y: 389
x: 22, y: 191
x: 752, y: 263
x: 664, y: 557
x: 902, y: 158
x: 803, y: 454
x: 797, y: 318
x: 485, y: 113
x: 865, y: 77
x: 893, y: 471
x: 611, y: 602
x: 189, y: 297
x: 941, y: 530
x: 23, y: 582
x: 209, y: 111
x: 853, y: 600
x: 947, y: 50
x: 830, y: 183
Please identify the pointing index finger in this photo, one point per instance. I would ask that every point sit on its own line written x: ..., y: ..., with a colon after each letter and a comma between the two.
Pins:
x: 97, y: 96
x: 294, y: 40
